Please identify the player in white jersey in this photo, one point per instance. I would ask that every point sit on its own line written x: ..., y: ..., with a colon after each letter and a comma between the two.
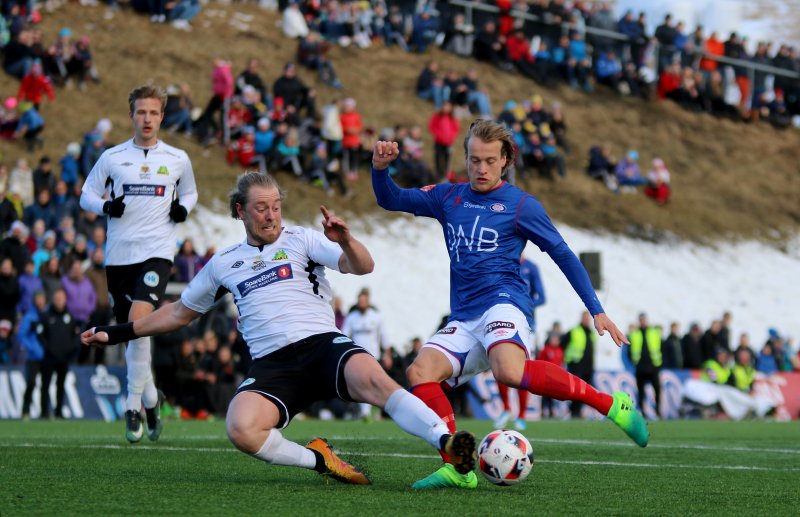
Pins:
x: 364, y: 326
x: 277, y: 279
x: 145, y: 187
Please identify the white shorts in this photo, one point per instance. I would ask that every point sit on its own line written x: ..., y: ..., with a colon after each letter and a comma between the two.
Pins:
x: 466, y: 343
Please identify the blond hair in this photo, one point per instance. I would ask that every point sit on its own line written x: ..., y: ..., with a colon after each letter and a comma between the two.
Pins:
x: 251, y: 178
x: 490, y: 131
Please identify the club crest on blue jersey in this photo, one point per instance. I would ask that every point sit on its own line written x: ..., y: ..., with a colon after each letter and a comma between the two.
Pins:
x: 497, y: 207
x: 264, y: 279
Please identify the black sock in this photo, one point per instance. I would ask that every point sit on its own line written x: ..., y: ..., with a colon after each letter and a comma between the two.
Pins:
x: 320, y: 466
x: 443, y: 440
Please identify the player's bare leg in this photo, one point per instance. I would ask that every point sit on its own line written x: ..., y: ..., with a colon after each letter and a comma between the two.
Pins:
x: 251, y: 426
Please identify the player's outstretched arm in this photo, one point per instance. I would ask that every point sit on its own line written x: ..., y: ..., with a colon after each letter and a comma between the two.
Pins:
x: 602, y: 323
x: 355, y: 258
x: 166, y: 319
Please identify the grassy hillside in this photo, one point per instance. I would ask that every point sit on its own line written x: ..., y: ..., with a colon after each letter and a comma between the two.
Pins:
x: 730, y: 180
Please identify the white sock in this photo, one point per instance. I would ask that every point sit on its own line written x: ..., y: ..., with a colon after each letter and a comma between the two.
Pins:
x: 150, y: 395
x: 279, y: 451
x: 137, y: 358
x: 366, y: 409
x: 414, y: 417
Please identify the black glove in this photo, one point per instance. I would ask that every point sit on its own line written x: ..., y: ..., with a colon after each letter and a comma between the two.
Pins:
x: 177, y: 212
x: 115, y: 207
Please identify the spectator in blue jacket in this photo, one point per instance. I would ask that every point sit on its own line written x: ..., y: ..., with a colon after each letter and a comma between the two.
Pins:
x: 608, y: 70
x: 579, y: 63
x: 628, y: 172
x: 43, y: 208
x: 70, y: 166
x: 34, y: 353
x: 424, y: 31
x: 29, y: 284
x: 766, y: 363
x: 30, y: 125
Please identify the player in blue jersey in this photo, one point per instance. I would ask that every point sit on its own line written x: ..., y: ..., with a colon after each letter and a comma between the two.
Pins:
x: 487, y: 223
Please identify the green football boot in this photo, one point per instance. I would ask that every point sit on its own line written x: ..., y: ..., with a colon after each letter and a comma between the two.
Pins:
x: 624, y: 414
x: 447, y: 477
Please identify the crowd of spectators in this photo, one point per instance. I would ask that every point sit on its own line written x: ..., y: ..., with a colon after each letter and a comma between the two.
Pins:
x: 672, y: 62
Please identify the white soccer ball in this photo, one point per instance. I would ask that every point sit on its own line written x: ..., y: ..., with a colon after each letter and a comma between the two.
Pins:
x: 505, y: 457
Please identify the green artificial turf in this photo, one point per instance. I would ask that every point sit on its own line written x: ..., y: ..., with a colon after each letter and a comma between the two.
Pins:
x: 60, y: 468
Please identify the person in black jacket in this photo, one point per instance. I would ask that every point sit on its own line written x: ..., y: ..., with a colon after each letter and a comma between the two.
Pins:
x: 13, y: 246
x: 9, y: 291
x: 58, y: 333
x: 293, y: 92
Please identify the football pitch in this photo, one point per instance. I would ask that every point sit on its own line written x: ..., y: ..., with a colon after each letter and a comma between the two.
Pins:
x: 589, y: 468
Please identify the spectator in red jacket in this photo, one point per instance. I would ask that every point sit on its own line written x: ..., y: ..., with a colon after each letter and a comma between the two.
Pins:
x: 658, y: 188
x: 553, y: 353
x: 351, y: 142
x: 444, y: 127
x: 242, y: 151
x: 669, y: 81
x: 35, y: 85
x: 519, y: 52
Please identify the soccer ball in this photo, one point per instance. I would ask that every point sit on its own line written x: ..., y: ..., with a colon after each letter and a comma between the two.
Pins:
x: 505, y: 457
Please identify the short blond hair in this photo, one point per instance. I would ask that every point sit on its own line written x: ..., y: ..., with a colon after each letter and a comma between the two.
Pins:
x: 147, y: 91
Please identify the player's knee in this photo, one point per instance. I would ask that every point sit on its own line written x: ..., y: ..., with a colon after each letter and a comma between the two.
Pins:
x: 243, y: 434
x: 506, y: 374
x: 417, y: 373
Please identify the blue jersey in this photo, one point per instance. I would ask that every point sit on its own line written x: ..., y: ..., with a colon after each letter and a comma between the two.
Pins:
x: 485, y: 234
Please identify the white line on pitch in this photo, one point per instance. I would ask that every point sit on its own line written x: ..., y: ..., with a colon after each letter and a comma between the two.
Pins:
x: 594, y: 443
x: 406, y: 456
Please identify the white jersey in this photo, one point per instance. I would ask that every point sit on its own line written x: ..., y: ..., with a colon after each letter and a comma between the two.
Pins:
x: 366, y: 329
x: 150, y: 178
x: 280, y: 289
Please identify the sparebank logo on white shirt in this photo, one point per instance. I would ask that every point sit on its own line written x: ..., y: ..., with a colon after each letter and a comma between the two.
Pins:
x: 143, y: 190
x: 270, y: 276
